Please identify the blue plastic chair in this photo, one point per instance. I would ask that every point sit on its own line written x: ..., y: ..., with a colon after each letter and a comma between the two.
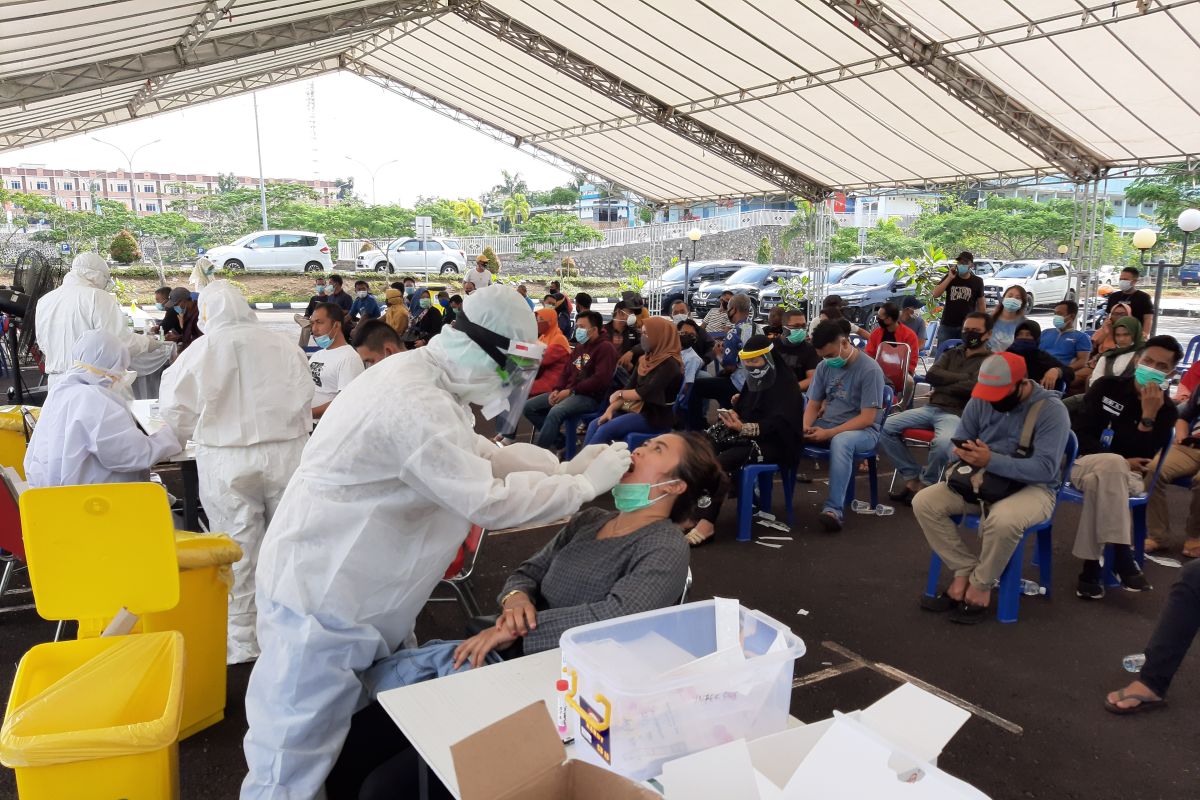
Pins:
x: 946, y: 345
x: 764, y: 476
x: 636, y: 440
x: 822, y: 454
x: 858, y: 341
x: 1190, y: 354
x: 570, y: 428
x: 1137, y: 508
x: 1010, y: 579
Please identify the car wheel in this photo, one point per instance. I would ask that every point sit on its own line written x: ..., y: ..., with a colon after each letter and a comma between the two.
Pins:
x: 1030, y: 302
x: 382, y: 266
x: 233, y: 265
x: 753, y: 308
x: 314, y: 266
x: 449, y: 268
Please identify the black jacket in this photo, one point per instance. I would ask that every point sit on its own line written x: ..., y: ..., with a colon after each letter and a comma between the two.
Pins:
x: 1116, y: 402
x: 953, y: 377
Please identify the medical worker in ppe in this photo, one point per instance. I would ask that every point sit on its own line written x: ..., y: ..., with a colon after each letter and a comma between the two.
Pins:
x: 80, y: 305
x: 242, y: 393
x: 86, y: 432
x: 385, y: 494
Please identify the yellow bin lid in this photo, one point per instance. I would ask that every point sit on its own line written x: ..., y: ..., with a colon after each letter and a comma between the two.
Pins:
x: 95, y: 549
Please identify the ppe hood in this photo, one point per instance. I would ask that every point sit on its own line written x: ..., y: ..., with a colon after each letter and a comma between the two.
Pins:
x: 221, y: 306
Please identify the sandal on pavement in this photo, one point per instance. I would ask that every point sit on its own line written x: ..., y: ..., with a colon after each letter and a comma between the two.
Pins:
x: 969, y: 614
x: 1191, y: 548
x: 1154, y: 546
x: 1144, y: 703
x: 943, y: 602
x: 695, y: 538
x: 829, y: 521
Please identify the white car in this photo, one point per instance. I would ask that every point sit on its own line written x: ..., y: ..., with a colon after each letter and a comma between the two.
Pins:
x: 416, y: 257
x: 289, y: 251
x: 1047, y: 282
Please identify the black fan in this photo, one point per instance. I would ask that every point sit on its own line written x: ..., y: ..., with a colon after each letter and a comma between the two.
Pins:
x: 33, y: 277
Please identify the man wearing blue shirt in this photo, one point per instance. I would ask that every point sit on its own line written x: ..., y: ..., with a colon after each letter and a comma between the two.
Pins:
x: 845, y: 403
x: 364, y: 306
x: 1072, y: 348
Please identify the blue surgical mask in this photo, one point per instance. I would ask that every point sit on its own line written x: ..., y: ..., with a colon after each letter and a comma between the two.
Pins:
x: 963, y: 269
x: 581, y: 335
x: 1011, y: 304
x: 158, y: 306
x: 408, y: 290
x: 177, y: 309
x: 1146, y: 375
x: 323, y: 342
x: 635, y: 496
x: 330, y: 289
x: 1059, y: 322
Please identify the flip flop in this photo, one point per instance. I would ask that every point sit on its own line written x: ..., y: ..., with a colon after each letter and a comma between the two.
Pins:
x: 943, y: 602
x: 1191, y: 549
x: 906, y: 496
x: 969, y: 613
x: 696, y: 539
x: 1145, y: 703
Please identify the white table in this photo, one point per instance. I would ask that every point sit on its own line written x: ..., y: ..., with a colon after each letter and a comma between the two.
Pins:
x: 148, y: 418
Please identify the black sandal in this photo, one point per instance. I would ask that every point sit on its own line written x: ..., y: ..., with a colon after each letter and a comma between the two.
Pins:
x: 969, y: 614
x: 1145, y: 703
x: 943, y: 602
x: 906, y: 496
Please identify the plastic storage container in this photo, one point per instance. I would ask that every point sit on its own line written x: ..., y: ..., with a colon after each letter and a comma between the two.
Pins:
x: 651, y: 687
x: 201, y: 616
x: 97, y: 718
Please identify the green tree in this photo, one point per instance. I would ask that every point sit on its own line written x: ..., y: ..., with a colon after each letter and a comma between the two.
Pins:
x: 516, y: 208
x: 764, y: 254
x: 635, y: 274
x: 557, y: 229
x: 226, y: 182
x: 124, y: 248
x: 1008, y: 227
x: 1172, y: 189
x: 468, y: 210
x: 844, y: 245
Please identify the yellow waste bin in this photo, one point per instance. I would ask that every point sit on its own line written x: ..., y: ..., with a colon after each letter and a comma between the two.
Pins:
x: 13, y: 436
x: 205, y: 578
x: 97, y: 719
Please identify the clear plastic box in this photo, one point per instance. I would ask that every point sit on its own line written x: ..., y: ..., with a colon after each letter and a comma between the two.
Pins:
x: 648, y: 688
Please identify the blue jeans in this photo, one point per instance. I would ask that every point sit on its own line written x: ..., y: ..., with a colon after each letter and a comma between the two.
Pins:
x: 616, y: 429
x: 548, y: 419
x: 845, y: 450
x: 941, y: 422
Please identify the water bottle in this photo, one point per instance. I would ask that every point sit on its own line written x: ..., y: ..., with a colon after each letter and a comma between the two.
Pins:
x: 1031, y: 588
x: 863, y: 507
x: 1134, y: 663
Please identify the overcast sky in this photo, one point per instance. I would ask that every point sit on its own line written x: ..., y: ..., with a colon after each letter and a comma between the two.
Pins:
x: 434, y: 155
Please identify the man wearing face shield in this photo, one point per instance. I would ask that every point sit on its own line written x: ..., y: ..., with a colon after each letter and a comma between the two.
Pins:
x: 243, y: 395
x: 87, y: 433
x: 367, y: 526
x: 80, y: 305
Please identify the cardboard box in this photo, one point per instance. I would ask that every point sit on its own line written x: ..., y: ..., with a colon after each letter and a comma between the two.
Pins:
x: 885, y: 751
x: 521, y: 756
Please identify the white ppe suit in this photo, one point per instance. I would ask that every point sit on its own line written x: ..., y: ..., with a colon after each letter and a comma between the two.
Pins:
x: 242, y: 393
x: 86, y: 432
x: 80, y: 305
x: 385, y: 494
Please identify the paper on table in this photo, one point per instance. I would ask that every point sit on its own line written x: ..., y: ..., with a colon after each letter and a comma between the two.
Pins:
x: 892, y: 717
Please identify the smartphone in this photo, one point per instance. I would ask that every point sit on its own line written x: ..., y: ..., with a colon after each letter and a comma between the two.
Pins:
x: 723, y: 411
x: 960, y: 442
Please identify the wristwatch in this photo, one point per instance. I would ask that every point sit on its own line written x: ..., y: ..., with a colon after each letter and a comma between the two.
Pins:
x: 1146, y: 423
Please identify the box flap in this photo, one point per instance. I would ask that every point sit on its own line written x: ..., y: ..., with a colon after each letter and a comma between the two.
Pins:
x: 590, y: 782
x: 508, y: 753
x: 778, y: 755
x: 893, y: 717
x: 718, y: 773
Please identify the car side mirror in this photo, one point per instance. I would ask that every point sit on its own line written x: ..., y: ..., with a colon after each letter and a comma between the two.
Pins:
x: 250, y: 246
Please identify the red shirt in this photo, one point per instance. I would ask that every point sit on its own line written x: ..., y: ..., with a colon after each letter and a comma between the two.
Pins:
x: 904, y: 335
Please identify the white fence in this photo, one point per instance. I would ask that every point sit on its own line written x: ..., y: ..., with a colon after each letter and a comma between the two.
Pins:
x: 347, y: 249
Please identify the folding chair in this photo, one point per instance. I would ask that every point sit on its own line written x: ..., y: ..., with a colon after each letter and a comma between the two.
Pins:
x: 892, y: 358
x: 930, y: 337
x: 1010, y: 579
x: 1190, y: 355
x: 458, y: 574
x: 858, y: 341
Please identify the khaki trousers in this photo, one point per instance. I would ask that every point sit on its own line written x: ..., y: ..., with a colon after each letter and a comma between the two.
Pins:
x: 1107, y: 483
x: 1182, y: 462
x: 999, y: 531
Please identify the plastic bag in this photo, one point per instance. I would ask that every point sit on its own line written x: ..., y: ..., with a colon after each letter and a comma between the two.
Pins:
x: 197, y: 550
x: 126, y: 700
x: 12, y: 418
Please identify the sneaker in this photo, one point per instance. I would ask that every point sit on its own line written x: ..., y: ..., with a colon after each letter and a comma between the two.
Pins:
x: 1135, y: 582
x: 1089, y: 590
x: 830, y: 521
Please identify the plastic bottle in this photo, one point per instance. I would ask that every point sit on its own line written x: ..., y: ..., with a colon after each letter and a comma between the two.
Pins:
x: 561, y: 687
x: 863, y: 507
x: 1134, y: 663
x: 1031, y: 588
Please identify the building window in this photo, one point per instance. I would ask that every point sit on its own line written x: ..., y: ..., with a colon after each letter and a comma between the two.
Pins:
x: 151, y: 207
x: 68, y: 185
x: 14, y: 184
x: 122, y: 187
x: 43, y: 185
x: 148, y: 188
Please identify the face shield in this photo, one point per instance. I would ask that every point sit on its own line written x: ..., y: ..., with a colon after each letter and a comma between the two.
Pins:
x: 516, y: 365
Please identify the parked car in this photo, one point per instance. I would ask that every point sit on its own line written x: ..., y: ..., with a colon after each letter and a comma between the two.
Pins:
x: 293, y: 251
x: 983, y: 267
x: 770, y: 297
x: 1189, y: 274
x: 412, y: 256
x: 751, y: 280
x: 699, y: 272
x: 1047, y: 282
x: 865, y: 290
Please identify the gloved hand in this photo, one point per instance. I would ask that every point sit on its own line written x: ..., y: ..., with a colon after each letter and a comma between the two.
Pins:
x: 584, y: 458
x: 607, y: 469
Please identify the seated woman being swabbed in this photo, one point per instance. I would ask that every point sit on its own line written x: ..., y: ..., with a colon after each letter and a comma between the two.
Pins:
x: 601, y: 565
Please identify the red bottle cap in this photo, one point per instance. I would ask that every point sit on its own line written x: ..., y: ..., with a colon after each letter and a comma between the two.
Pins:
x: 562, y: 685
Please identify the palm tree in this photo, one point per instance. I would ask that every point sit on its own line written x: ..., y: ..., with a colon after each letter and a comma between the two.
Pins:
x: 512, y: 184
x: 516, y: 208
x: 474, y: 209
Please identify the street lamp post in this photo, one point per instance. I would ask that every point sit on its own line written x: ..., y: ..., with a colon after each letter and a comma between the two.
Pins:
x: 129, y: 161
x: 372, y: 173
x: 1145, y: 239
x: 694, y: 234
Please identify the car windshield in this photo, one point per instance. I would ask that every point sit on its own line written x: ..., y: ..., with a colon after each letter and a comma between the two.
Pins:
x: 1015, y: 269
x: 749, y: 275
x: 836, y: 273
x: 673, y: 275
x: 452, y: 244
x: 872, y: 276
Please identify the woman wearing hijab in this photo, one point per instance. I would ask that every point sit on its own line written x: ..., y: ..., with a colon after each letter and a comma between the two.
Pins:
x: 428, y: 323
x: 645, y: 405
x: 1040, y: 366
x: 396, y: 315
x: 1121, y: 359
x: 558, y: 352
x: 765, y: 426
x: 1103, y: 339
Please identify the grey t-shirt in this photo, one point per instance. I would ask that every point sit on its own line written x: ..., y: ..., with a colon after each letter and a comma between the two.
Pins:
x: 847, y: 390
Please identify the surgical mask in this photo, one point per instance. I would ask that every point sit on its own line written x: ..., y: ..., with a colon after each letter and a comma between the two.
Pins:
x: 1011, y: 304
x: 581, y: 335
x: 177, y: 309
x: 424, y: 302
x: 629, y: 497
x: 687, y: 340
x: 678, y: 318
x: 329, y: 289
x: 408, y: 290
x: 362, y: 295
x: 972, y: 339
x: 1022, y: 346
x: 836, y: 362
x: 319, y: 288
x: 797, y: 336
x: 1008, y: 403
x: 158, y: 306
x: 963, y: 269
x: 323, y: 342
x: 1059, y: 322
x: 1125, y: 286
x: 1149, y: 375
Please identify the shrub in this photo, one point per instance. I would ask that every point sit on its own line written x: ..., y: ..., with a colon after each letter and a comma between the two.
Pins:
x: 568, y: 269
x: 124, y: 248
x: 765, y: 251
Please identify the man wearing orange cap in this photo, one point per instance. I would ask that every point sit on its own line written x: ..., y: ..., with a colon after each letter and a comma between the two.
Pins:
x: 990, y: 434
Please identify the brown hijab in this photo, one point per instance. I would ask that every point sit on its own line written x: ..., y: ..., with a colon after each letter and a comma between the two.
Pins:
x: 664, y: 344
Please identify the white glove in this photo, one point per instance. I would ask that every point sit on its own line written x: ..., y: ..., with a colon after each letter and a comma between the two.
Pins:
x: 584, y: 458
x: 607, y: 469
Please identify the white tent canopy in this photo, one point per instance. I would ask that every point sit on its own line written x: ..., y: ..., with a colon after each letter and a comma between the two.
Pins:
x: 674, y: 99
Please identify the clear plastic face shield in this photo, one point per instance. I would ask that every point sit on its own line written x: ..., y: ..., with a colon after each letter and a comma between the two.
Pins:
x: 517, y: 367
